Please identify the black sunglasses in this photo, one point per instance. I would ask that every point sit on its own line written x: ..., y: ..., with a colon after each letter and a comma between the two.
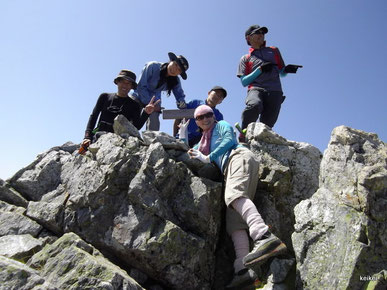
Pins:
x: 201, y: 117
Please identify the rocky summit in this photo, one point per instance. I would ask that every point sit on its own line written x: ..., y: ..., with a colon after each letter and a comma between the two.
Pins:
x: 135, y: 212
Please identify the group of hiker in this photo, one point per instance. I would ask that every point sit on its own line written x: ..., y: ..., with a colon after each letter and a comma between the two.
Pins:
x: 211, y: 139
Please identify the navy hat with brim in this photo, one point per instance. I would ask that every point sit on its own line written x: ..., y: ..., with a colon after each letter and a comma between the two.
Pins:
x: 181, y: 61
x: 220, y: 89
x: 255, y: 28
x: 127, y: 75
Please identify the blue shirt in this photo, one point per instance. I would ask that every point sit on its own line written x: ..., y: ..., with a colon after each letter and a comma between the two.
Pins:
x: 193, y: 129
x: 148, y: 81
x: 223, y: 140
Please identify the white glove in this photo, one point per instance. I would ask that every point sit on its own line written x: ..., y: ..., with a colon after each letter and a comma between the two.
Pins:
x: 183, y: 129
x: 196, y: 154
x: 181, y: 104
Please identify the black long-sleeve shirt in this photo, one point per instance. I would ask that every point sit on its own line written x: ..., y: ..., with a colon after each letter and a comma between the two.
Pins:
x: 108, y: 107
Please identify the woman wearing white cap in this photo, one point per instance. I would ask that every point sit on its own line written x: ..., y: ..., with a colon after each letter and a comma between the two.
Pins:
x: 240, y: 168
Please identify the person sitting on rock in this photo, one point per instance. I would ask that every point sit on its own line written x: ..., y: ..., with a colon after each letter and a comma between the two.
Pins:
x: 109, y: 106
x: 215, y: 97
x: 240, y: 169
x: 157, y: 77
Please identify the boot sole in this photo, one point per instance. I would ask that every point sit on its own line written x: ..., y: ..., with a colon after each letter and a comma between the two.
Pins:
x: 260, y: 260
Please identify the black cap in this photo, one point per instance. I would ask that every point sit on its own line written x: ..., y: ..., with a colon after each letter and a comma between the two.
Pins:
x: 181, y: 61
x: 127, y: 75
x: 220, y: 89
x: 254, y: 28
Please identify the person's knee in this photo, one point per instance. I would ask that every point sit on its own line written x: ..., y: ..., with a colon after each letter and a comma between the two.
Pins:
x: 256, y: 107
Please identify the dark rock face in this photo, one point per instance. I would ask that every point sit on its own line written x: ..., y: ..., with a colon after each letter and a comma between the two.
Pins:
x: 158, y: 215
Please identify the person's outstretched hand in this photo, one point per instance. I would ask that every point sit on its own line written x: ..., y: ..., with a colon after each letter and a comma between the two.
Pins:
x: 183, y: 129
x: 86, y: 142
x: 150, y: 108
x: 196, y: 154
x: 292, y: 68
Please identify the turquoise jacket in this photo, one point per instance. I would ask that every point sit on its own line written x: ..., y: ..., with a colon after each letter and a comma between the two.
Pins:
x: 223, y: 140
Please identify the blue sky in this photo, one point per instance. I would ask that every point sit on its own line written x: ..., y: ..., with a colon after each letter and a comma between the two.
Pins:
x: 56, y: 57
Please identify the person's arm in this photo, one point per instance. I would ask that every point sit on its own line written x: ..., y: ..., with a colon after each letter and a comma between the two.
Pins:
x: 176, y: 126
x: 143, y: 91
x: 94, y: 115
x: 183, y: 130
x: 245, y: 73
x: 248, y: 79
x: 139, y: 116
x: 179, y: 94
x: 139, y: 122
x: 227, y: 134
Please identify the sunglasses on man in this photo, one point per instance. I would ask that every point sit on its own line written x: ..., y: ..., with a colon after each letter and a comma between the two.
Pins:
x: 201, y: 117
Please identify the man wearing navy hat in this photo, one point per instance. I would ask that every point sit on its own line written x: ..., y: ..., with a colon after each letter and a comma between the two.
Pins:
x: 260, y: 71
x: 215, y: 97
x: 108, y: 106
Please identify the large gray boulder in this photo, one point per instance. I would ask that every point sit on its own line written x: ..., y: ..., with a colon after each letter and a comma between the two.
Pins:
x: 136, y: 202
x: 158, y: 215
x: 17, y: 275
x: 70, y: 263
x: 168, y: 141
x: 124, y: 128
x: 10, y: 195
x: 288, y: 174
x: 16, y: 223
x: 19, y: 247
x: 43, y: 175
x: 340, y: 233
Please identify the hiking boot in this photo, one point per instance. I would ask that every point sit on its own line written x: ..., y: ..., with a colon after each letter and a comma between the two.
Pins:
x: 243, y: 278
x: 266, y: 247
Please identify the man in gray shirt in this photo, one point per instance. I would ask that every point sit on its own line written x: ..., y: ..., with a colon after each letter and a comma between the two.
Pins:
x: 260, y: 70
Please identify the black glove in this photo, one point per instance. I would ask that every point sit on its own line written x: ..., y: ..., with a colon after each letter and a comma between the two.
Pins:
x: 266, y: 67
x: 291, y: 68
